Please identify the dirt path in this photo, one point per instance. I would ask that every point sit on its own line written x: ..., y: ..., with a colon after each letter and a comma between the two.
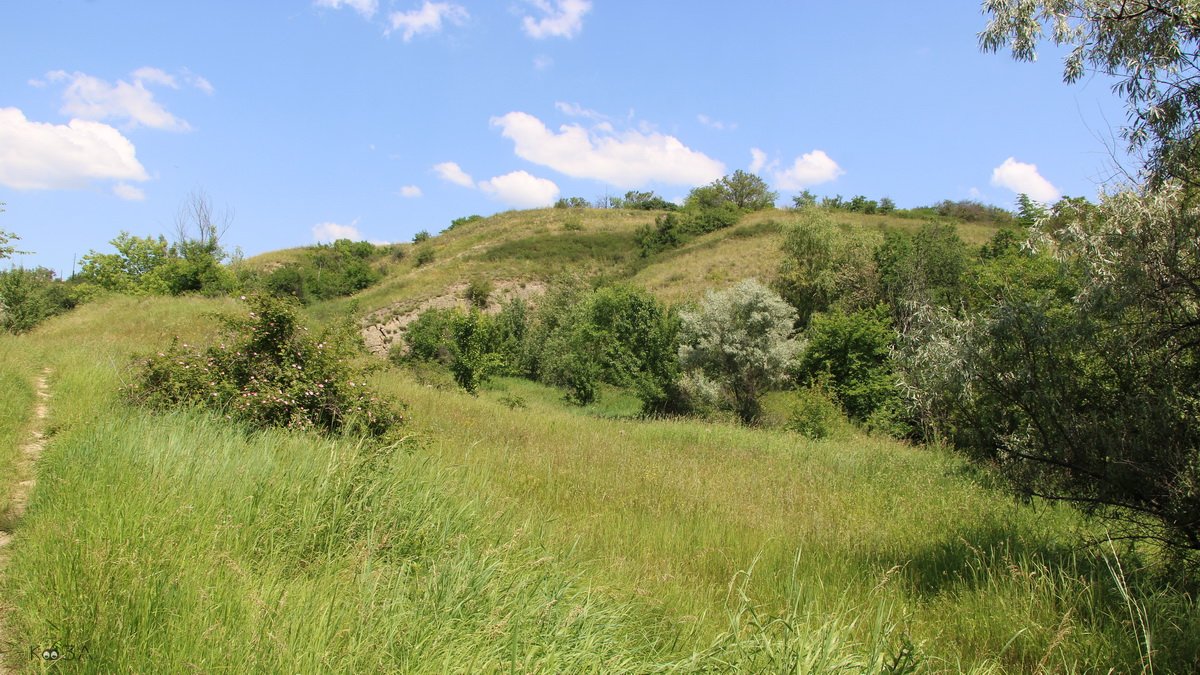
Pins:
x: 25, y: 471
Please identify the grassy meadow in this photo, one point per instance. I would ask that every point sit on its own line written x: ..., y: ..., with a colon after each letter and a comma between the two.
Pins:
x: 510, y: 531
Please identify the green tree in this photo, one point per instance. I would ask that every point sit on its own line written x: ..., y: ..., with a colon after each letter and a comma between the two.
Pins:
x: 851, y: 355
x: 822, y: 265
x: 1029, y: 211
x: 1149, y: 46
x: 135, y: 267
x: 736, y: 345
x: 804, y: 200
x: 743, y: 190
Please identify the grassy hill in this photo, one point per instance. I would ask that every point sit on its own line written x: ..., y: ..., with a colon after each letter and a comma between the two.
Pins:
x: 511, y: 531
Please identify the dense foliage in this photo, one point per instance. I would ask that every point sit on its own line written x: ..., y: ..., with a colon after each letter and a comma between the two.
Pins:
x: 326, y: 271
x: 30, y: 296
x: 267, y: 370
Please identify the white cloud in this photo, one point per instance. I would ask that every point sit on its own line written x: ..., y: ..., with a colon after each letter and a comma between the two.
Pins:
x: 453, y: 172
x: 715, y: 124
x: 627, y: 159
x: 808, y: 169
x: 410, y: 191
x: 365, y: 7
x: 427, y: 19
x: 1024, y: 178
x: 334, y: 231
x: 521, y: 190
x: 198, y: 82
x: 129, y: 192
x: 562, y: 18
x: 576, y: 110
x: 91, y: 98
x: 43, y: 156
x: 542, y: 62
x: 146, y: 74
x: 758, y: 160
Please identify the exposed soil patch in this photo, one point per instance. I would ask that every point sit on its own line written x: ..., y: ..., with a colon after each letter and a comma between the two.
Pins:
x: 385, y: 327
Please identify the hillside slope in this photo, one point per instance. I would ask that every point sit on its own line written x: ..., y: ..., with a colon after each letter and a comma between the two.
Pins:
x: 520, y: 252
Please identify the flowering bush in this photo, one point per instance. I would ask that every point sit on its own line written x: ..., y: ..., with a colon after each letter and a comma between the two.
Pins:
x: 267, y: 371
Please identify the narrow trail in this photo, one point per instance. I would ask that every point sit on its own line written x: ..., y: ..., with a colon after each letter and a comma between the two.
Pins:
x: 26, y: 473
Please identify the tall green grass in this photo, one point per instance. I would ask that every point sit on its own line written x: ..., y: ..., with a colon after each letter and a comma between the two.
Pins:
x: 16, y: 410
x: 537, y: 539
x: 672, y: 511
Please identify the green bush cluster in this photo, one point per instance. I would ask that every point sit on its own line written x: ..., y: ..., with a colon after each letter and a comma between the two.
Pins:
x: 577, y: 339
x: 708, y: 208
x: 30, y: 296
x: 267, y: 370
x: 152, y: 266
x: 326, y: 271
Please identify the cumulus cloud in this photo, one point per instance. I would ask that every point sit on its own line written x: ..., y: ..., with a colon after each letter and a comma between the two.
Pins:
x: 427, y: 19
x: 365, y: 7
x: 1024, y: 178
x: 452, y: 172
x: 521, y: 190
x: 132, y: 103
x: 43, y: 156
x: 128, y: 192
x: 560, y: 18
x: 809, y: 169
x: 333, y: 231
x: 410, y: 191
x: 627, y: 159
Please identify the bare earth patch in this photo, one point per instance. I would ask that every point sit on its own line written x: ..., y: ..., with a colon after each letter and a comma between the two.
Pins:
x: 385, y: 327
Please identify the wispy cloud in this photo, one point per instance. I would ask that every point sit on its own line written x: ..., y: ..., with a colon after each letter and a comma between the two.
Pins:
x: 715, y: 124
x: 365, y: 7
x: 428, y: 19
x: 410, y: 191
x: 560, y: 18
x: 131, y: 103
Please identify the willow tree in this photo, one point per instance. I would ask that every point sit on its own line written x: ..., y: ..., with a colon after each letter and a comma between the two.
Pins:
x: 1150, y: 47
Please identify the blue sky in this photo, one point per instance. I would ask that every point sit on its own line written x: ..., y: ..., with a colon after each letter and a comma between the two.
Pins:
x: 375, y: 119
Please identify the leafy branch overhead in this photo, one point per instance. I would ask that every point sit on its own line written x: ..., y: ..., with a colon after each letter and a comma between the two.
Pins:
x: 1151, y: 47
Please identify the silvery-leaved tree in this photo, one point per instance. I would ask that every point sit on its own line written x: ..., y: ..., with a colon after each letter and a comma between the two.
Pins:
x: 1080, y: 378
x: 736, y: 345
x: 1151, y: 48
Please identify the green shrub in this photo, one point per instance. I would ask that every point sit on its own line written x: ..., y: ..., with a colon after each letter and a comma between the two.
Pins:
x: 29, y: 297
x: 326, y: 271
x: 267, y: 371
x: 814, y: 414
x: 421, y: 236
x: 852, y: 353
x: 467, y: 343
x: 478, y: 291
x: 463, y: 221
x: 424, y: 256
